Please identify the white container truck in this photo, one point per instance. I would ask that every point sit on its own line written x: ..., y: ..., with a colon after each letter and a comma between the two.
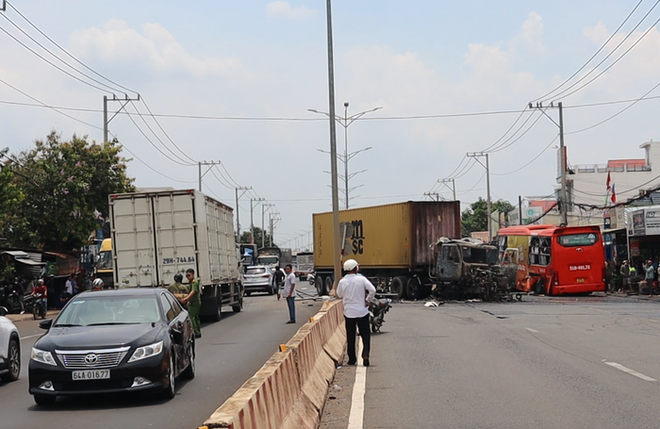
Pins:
x: 158, y: 234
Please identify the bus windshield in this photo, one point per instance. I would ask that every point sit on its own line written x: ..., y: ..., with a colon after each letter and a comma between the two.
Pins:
x: 574, y: 240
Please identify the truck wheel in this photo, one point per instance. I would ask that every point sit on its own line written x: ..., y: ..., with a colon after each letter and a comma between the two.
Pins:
x: 398, y: 286
x: 328, y: 284
x: 236, y: 308
x: 413, y: 288
x: 218, y: 311
x: 320, y: 285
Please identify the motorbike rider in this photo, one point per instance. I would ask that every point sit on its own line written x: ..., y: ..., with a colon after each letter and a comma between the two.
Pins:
x: 352, y: 290
x: 98, y: 284
x: 40, y: 292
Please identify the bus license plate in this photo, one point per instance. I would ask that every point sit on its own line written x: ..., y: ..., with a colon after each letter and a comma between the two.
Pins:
x: 580, y: 280
x: 97, y: 374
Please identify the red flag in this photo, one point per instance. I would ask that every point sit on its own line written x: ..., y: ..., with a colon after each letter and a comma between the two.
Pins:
x: 613, y: 194
x: 609, y: 181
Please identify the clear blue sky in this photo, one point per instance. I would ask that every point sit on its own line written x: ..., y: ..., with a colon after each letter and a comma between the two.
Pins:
x: 261, y: 60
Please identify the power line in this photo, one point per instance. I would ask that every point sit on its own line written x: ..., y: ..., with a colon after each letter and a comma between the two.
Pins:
x: 565, y: 95
x: 543, y: 97
x: 53, y: 54
x: 531, y: 161
x: 67, y: 52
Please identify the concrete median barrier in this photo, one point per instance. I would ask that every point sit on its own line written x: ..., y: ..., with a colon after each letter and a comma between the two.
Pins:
x: 289, y: 391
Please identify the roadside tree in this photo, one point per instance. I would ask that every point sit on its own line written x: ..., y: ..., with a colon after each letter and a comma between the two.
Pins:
x: 65, y: 184
x: 475, y: 218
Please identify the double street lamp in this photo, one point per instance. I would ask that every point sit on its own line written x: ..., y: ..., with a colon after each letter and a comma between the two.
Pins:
x: 345, y: 122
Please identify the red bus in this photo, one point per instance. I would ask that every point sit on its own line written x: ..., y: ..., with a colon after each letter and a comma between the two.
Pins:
x: 554, y: 260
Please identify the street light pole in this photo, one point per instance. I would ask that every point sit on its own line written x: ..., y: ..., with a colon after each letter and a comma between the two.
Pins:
x: 345, y: 122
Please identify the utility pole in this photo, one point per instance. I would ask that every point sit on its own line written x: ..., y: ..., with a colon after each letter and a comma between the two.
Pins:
x: 432, y: 194
x: 252, y: 200
x: 210, y: 164
x: 563, y: 192
x: 453, y: 185
x: 106, y: 121
x: 477, y: 155
x: 273, y: 217
x: 238, y: 211
x: 263, y: 214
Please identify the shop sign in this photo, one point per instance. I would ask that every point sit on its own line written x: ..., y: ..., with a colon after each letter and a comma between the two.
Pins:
x: 652, y: 220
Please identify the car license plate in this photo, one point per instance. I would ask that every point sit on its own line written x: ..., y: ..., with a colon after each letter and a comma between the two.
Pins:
x: 95, y: 374
x: 580, y: 280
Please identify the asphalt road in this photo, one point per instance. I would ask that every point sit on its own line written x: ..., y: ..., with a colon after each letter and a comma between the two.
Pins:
x: 228, y: 354
x: 587, y: 362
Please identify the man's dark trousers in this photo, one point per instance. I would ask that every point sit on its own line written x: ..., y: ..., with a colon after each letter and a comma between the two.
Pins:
x: 365, y: 333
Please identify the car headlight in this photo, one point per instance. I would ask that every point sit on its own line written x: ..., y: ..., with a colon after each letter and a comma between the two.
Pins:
x: 146, y: 351
x: 43, y: 357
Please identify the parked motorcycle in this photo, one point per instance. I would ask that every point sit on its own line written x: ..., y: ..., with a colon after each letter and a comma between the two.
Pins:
x: 377, y: 310
x: 38, y: 307
x: 10, y: 299
x: 310, y: 278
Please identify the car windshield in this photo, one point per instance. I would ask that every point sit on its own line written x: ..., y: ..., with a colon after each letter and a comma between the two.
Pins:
x: 109, y: 310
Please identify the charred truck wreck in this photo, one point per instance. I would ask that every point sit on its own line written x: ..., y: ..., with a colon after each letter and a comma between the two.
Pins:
x: 466, y: 268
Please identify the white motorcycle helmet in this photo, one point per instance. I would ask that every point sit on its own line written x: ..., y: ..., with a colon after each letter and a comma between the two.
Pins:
x: 350, y: 265
x: 97, y: 284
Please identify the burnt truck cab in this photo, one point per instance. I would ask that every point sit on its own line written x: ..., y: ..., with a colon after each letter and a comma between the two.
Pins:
x: 467, y: 268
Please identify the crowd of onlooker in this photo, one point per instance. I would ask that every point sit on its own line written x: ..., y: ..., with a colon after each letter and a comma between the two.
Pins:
x: 635, y: 275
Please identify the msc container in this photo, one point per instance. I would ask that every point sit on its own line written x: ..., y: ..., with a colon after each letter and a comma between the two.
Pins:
x: 392, y: 243
x: 158, y: 234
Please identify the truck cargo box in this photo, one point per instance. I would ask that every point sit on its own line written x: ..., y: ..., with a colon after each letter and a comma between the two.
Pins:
x: 388, y: 236
x: 156, y: 235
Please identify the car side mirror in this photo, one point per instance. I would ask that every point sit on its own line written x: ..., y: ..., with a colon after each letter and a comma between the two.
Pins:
x: 3, y: 311
x: 46, y: 324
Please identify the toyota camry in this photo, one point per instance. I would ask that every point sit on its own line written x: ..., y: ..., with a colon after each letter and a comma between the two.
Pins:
x: 110, y: 341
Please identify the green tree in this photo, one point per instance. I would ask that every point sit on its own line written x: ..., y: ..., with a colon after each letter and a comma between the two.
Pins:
x: 65, y: 185
x: 258, y: 232
x: 10, y: 198
x: 475, y: 218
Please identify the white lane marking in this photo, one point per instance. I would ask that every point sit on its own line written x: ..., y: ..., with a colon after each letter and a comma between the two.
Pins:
x: 630, y: 371
x: 30, y: 336
x: 356, y: 416
x: 532, y: 330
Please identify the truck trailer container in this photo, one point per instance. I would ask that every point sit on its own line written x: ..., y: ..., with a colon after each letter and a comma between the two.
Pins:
x: 393, y: 244
x: 158, y: 234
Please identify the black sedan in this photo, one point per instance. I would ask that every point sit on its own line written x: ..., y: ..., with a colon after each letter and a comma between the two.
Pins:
x: 110, y: 341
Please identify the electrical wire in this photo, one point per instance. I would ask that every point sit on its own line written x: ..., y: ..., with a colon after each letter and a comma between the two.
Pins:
x: 67, y: 52
x: 165, y: 133
x: 54, y: 55
x: 548, y: 94
x: 565, y: 95
x: 177, y: 158
x: 616, y: 114
x: 176, y: 161
x: 531, y: 161
x: 51, y: 63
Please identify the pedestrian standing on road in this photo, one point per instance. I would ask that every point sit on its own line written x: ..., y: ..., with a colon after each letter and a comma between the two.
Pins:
x: 278, y: 278
x: 71, y: 285
x: 194, y: 301
x: 649, y: 271
x: 625, y: 275
x: 289, y: 292
x: 356, y: 292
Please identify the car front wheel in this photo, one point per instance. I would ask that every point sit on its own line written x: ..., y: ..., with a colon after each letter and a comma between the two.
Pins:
x: 170, y: 390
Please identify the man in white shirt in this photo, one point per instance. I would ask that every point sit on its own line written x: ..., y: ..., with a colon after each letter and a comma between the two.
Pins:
x: 289, y: 292
x: 356, y: 293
